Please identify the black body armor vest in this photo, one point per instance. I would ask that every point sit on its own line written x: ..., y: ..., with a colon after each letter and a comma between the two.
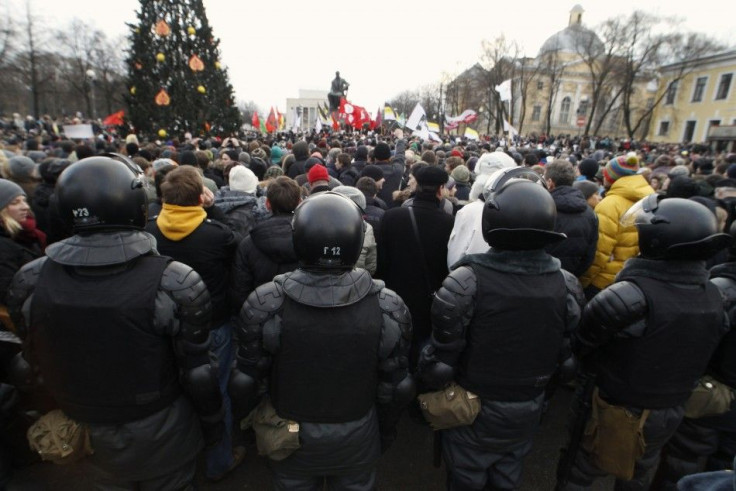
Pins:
x: 326, y: 369
x: 515, y: 337
x: 94, y: 342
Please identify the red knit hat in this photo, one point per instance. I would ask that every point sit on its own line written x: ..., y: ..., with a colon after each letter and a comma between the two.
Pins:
x: 317, y: 173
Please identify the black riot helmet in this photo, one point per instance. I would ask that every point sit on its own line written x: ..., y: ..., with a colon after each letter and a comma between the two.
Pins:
x: 102, y: 193
x: 328, y: 232
x: 675, y: 228
x: 520, y: 215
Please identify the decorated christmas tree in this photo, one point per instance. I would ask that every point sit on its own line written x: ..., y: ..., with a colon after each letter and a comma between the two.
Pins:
x: 176, y: 82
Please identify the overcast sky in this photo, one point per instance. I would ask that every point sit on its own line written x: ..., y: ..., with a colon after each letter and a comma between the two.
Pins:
x: 274, y: 48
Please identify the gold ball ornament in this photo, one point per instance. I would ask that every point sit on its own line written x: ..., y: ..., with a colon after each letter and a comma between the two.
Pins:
x: 160, y: 57
x: 162, y: 133
x: 132, y: 90
x: 201, y: 89
x: 191, y: 30
x: 218, y: 65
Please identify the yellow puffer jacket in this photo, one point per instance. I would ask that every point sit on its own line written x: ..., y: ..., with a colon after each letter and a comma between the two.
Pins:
x: 615, y: 243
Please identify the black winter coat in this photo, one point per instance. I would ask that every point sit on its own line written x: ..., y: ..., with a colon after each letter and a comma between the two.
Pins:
x: 401, y: 266
x: 578, y: 221
x: 12, y: 256
x: 209, y: 251
x: 268, y: 251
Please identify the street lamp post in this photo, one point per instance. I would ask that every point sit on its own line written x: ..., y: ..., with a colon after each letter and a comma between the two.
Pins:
x: 91, y: 76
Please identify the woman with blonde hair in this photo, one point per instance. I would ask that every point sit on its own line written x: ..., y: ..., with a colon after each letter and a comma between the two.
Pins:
x: 20, y: 240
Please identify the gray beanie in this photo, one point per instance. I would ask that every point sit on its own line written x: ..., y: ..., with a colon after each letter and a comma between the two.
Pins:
x: 8, y: 192
x: 354, y: 194
x: 22, y: 168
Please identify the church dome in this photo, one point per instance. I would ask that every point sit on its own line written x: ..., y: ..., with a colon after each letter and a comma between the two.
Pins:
x: 574, y: 38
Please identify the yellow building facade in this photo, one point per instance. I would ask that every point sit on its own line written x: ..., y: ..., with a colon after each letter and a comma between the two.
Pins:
x: 703, y: 97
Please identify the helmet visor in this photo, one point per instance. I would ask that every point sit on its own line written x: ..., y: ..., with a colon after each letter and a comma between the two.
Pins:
x: 641, y: 211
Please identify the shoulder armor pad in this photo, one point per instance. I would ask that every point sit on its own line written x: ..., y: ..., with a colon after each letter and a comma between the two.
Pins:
x: 618, y: 306
x: 262, y: 303
x: 574, y: 287
x: 25, y: 281
x: 727, y: 288
x: 461, y: 281
x: 395, y: 311
x: 184, y: 284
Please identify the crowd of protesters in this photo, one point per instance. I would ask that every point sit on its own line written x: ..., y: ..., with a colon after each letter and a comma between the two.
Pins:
x: 224, y: 206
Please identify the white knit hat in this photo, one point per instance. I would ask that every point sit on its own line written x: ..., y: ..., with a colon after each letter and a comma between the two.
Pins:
x: 243, y: 179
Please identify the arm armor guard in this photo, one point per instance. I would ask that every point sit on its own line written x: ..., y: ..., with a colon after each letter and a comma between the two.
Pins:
x: 452, y: 310
x: 189, y: 322
x: 396, y: 386
x: 618, y: 307
x: 727, y: 287
x: 258, y: 336
x: 575, y: 304
x: 20, y: 294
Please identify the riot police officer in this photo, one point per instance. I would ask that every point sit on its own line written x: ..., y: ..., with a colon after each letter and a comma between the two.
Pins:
x: 647, y: 339
x: 118, y: 334
x: 500, y: 329
x: 331, y: 344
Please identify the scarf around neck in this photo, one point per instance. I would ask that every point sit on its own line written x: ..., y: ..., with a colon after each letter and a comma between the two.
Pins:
x: 177, y: 222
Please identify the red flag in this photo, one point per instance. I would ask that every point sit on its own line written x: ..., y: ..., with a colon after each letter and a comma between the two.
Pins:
x: 335, y: 124
x: 379, y: 119
x: 115, y: 119
x: 271, y: 123
x: 254, y: 121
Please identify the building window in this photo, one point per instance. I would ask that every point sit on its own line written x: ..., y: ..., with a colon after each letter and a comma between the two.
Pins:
x: 699, y: 89
x: 537, y: 113
x: 540, y: 85
x: 671, y: 93
x: 714, y: 122
x: 724, y: 86
x: 687, y: 137
x: 565, y: 111
x: 664, y: 128
x: 583, y: 108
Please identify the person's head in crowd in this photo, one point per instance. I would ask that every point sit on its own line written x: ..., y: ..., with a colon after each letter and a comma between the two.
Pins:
x: 361, y: 153
x: 276, y: 154
x: 131, y: 149
x: 160, y: 175
x: 354, y: 194
x: 188, y: 157
x: 318, y: 178
x: 21, y: 169
x: 682, y: 187
x: 240, y: 178
x: 430, y: 180
x: 258, y: 166
x: 182, y: 187
x: 342, y: 161
x: 229, y: 154
x: 461, y: 175
x: 531, y: 159
x: 144, y: 164
x: 559, y: 173
x: 273, y: 172
x: 452, y: 162
x: 590, y: 192
x: 429, y: 157
x: 283, y: 196
x: 300, y: 150
x: 258, y: 153
x: 588, y: 168
x: 84, y: 151
x: 367, y: 186
x: 14, y: 207
x: 375, y: 173
x: 618, y: 167
x: 382, y: 152
x: 703, y: 166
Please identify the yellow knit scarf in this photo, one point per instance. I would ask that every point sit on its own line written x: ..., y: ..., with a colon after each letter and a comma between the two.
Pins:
x: 177, y: 222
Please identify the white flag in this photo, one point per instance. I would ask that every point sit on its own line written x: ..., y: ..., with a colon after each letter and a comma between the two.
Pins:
x: 504, y: 90
x: 418, y: 119
x: 318, y: 126
x: 511, y: 130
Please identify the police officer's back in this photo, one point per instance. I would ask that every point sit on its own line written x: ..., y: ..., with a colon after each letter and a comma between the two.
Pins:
x: 118, y: 333
x: 332, y: 345
x: 500, y: 328
x: 647, y: 339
